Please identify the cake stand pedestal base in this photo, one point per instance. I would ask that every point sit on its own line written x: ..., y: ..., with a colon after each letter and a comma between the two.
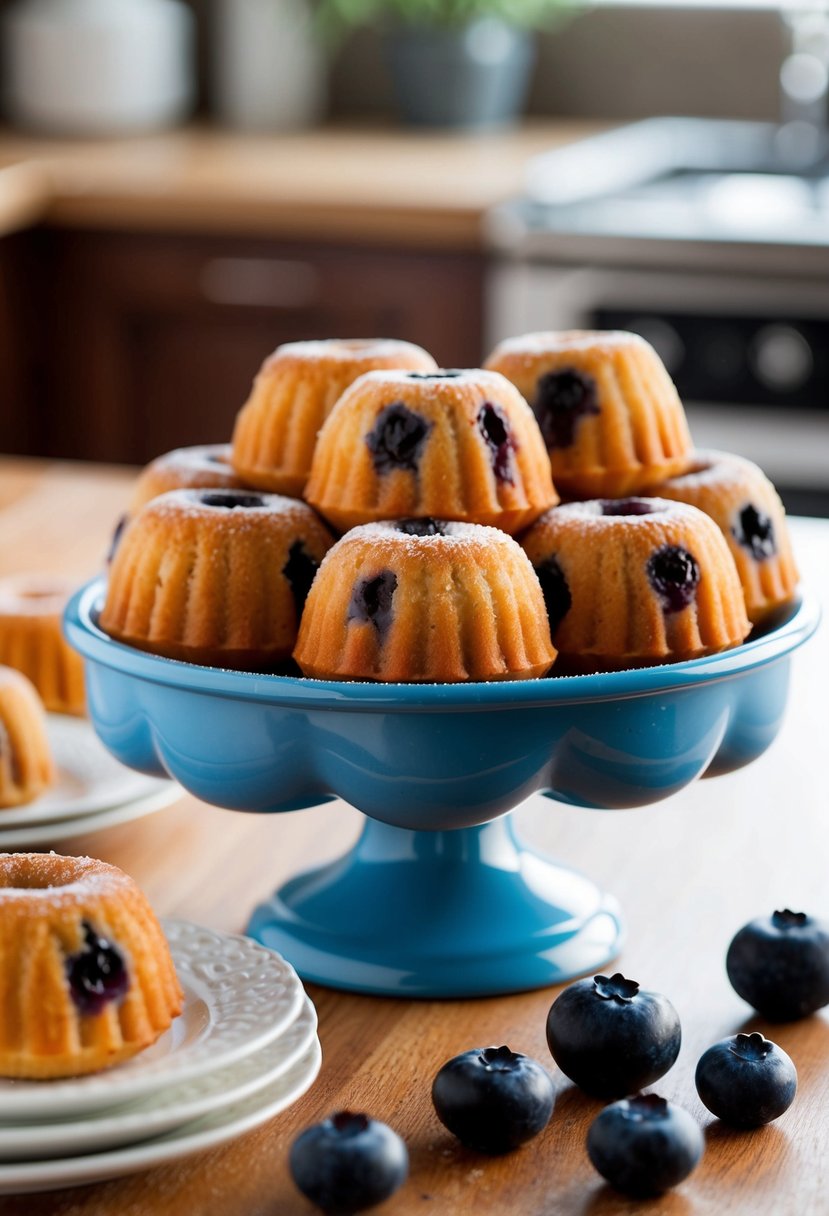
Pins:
x: 471, y: 912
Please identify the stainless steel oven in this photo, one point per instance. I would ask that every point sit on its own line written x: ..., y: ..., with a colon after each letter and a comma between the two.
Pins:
x: 738, y: 309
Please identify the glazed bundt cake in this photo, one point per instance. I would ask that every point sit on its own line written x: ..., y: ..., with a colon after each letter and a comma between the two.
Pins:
x: 745, y: 506
x: 87, y: 979
x: 217, y: 577
x: 607, y: 408
x: 425, y: 600
x: 198, y: 468
x: 26, y: 768
x: 276, y: 430
x: 460, y: 445
x: 635, y: 582
x: 32, y: 641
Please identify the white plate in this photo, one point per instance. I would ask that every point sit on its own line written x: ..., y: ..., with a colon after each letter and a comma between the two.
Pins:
x: 67, y: 829
x: 238, y: 997
x: 226, y: 1124
x: 169, y: 1108
x: 89, y: 779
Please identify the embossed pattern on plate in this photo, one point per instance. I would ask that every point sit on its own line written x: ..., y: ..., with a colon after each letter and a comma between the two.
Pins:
x: 170, y: 1107
x: 238, y: 997
x: 224, y: 1124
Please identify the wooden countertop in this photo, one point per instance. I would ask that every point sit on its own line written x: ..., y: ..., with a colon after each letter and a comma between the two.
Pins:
x: 370, y: 184
x: 688, y: 871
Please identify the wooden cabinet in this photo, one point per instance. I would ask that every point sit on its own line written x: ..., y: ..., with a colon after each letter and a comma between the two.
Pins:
x: 153, y: 340
x: 20, y: 422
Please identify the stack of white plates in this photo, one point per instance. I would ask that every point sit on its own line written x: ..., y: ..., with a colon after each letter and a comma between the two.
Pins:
x: 93, y: 791
x: 244, y: 1049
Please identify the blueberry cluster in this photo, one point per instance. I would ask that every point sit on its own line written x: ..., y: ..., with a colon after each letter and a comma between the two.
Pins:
x: 612, y: 1038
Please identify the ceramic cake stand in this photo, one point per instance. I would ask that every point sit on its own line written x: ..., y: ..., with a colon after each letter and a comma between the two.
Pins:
x: 438, y: 897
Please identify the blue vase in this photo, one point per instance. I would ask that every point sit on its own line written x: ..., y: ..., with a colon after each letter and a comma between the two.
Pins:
x: 475, y: 76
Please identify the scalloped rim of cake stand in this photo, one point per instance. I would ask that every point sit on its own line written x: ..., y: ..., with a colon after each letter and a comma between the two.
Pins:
x: 771, y: 644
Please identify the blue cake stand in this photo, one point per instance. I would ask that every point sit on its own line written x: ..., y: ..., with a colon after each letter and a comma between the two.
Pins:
x: 438, y: 897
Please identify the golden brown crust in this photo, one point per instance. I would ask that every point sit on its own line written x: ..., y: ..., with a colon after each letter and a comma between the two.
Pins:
x: 26, y: 766
x: 632, y: 431
x: 47, y: 903
x: 32, y: 641
x: 616, y: 618
x: 197, y: 580
x: 724, y: 486
x: 193, y: 468
x: 294, y: 392
x: 456, y: 472
x: 463, y: 605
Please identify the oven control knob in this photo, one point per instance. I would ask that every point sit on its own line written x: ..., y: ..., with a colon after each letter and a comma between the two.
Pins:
x: 781, y: 358
x: 663, y: 338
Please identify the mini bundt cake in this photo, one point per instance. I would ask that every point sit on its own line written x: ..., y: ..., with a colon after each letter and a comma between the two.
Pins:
x: 425, y: 600
x: 26, y: 768
x: 747, y: 509
x: 295, y: 391
x: 200, y: 468
x: 607, y: 408
x: 635, y: 582
x: 32, y: 641
x: 217, y: 577
x: 87, y: 978
x: 459, y: 445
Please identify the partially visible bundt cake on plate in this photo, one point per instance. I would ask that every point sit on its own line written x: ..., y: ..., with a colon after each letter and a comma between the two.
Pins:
x: 86, y: 979
x: 217, y: 577
x: 26, y: 767
x: 635, y: 582
x: 32, y: 641
x: 608, y: 410
x: 424, y: 600
x: 459, y: 445
x: 293, y: 394
x: 199, y: 468
x: 747, y: 509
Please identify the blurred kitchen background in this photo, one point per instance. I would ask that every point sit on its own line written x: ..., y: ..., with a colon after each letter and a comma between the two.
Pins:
x: 183, y: 186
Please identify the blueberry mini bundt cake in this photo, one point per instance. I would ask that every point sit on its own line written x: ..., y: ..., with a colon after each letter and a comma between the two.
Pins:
x: 32, y: 641
x: 26, y: 768
x: 87, y: 979
x: 217, y: 577
x: 635, y: 582
x: 198, y: 468
x: 459, y: 445
x: 425, y: 600
x: 295, y: 391
x: 607, y: 408
x: 747, y: 509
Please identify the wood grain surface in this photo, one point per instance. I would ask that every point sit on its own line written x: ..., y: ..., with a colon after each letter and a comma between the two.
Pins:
x: 688, y: 871
x: 376, y: 184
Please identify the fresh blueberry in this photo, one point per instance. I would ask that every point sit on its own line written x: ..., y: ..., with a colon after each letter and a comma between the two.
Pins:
x: 299, y: 570
x: 348, y: 1163
x: 746, y: 1081
x: 396, y: 440
x: 780, y: 965
x: 562, y: 399
x: 97, y: 974
x: 557, y: 597
x: 626, y: 506
x: 422, y: 527
x: 228, y: 499
x: 493, y: 1099
x: 372, y: 600
x: 611, y: 1038
x: 643, y: 1146
x: 493, y: 425
x: 755, y: 531
x: 674, y: 575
